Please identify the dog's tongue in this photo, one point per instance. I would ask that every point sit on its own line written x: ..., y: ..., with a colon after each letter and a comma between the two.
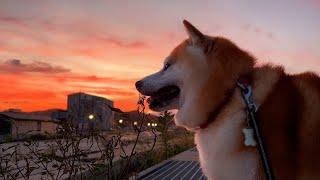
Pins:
x: 163, y: 94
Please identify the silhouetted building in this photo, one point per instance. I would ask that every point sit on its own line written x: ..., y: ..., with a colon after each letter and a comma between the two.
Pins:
x: 17, y: 123
x: 60, y: 114
x: 88, y: 111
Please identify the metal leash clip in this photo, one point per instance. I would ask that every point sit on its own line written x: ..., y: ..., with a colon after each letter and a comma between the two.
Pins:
x: 252, y: 133
x: 246, y: 92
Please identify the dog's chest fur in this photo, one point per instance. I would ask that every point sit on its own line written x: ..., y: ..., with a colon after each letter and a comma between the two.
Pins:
x: 218, y: 146
x: 223, y: 154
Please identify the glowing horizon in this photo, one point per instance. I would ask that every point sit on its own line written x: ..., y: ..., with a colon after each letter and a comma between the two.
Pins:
x: 49, y: 49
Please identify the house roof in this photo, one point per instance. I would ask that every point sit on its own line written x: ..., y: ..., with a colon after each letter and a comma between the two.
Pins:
x: 23, y: 116
x: 94, y: 96
x: 131, y: 116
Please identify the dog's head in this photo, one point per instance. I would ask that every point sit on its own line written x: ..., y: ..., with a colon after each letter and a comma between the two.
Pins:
x: 184, y: 81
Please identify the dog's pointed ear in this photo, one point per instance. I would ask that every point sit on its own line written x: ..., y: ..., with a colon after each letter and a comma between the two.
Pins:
x: 198, y: 39
x: 195, y: 36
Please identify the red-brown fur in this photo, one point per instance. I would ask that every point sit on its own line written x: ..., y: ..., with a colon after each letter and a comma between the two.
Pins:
x: 289, y: 110
x: 292, y: 137
x: 293, y: 151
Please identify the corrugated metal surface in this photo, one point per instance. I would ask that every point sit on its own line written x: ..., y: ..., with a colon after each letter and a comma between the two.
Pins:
x: 176, y: 169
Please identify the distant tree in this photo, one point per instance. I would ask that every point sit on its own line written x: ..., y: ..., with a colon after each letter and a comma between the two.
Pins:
x: 164, y: 121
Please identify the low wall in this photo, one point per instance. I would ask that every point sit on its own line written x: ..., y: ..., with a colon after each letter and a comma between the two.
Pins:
x: 32, y: 127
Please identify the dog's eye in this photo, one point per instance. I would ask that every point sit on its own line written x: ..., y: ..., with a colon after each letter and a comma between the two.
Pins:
x: 166, y: 66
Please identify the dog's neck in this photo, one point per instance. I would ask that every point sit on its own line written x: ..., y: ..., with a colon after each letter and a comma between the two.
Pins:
x: 227, y: 68
x: 218, y: 109
x: 220, y: 105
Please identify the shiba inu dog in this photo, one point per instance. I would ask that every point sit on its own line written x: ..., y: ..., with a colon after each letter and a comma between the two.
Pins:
x: 199, y: 80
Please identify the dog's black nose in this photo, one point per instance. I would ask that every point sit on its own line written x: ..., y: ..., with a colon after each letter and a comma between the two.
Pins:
x: 139, y: 84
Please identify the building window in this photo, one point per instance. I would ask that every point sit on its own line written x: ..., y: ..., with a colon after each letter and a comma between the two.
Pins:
x: 5, y: 127
x: 38, y: 126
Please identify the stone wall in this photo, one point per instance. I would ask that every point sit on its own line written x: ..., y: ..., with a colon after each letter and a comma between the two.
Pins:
x: 49, y: 127
x: 32, y: 127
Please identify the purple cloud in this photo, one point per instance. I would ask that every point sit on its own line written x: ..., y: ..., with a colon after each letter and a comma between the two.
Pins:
x: 16, y: 66
x: 12, y: 20
x: 63, y: 28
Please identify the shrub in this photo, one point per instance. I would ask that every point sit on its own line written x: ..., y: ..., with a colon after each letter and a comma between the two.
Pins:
x: 38, y: 137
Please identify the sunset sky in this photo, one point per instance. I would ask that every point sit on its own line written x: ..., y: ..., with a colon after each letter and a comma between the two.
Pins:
x: 49, y: 49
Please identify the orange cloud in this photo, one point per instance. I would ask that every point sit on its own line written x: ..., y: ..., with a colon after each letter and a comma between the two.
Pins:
x: 31, y: 86
x: 104, y: 51
x: 15, y: 94
x: 29, y: 93
x: 93, y: 79
x: 127, y: 104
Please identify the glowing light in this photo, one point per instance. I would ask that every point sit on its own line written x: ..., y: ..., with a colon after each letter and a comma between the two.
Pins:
x: 148, y: 124
x: 91, y: 116
x: 120, y: 121
x: 155, y: 124
x: 135, y: 123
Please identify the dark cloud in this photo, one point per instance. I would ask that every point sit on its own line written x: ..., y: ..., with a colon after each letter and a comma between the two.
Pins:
x: 121, y: 43
x: 12, y: 20
x: 17, y: 66
x: 257, y: 30
x: 106, y: 90
x: 116, y: 92
x: 93, y: 78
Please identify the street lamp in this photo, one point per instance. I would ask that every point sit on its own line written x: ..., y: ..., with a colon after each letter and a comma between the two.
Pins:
x: 91, y: 116
x: 135, y: 123
x: 155, y: 124
x: 148, y: 124
x: 120, y: 121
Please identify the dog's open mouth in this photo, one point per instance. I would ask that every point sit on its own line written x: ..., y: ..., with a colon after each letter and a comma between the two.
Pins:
x: 163, y: 97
